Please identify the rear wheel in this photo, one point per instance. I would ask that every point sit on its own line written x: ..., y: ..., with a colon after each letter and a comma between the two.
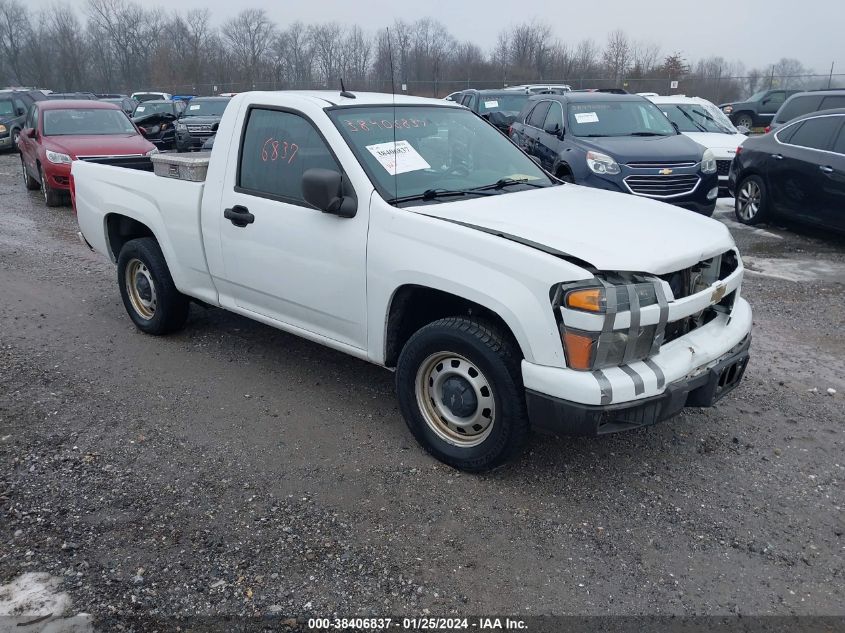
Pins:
x: 29, y: 182
x: 147, y: 289
x: 460, y: 391
x: 52, y: 197
x: 751, y: 203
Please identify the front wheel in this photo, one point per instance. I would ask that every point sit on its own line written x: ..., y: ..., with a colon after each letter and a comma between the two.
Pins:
x: 147, y: 289
x: 460, y: 390
x: 28, y: 181
x: 744, y: 119
x: 52, y: 197
x: 751, y: 203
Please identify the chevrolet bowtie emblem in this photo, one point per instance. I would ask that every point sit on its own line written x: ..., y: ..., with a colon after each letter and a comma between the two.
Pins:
x: 665, y: 172
x: 717, y: 295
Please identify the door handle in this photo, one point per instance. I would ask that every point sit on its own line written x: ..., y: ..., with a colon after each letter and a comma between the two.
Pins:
x: 239, y: 216
x: 826, y: 169
x: 777, y: 156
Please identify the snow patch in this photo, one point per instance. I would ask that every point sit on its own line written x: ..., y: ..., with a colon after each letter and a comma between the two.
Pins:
x: 33, y: 600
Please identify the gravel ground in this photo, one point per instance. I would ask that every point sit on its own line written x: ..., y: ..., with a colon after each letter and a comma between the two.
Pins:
x: 234, y: 469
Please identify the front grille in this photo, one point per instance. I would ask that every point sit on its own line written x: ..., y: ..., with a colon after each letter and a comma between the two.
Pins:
x: 662, y: 186
x: 676, y: 165
x: 723, y: 167
x: 200, y: 130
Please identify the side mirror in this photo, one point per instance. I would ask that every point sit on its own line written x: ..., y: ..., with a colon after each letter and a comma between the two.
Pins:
x: 323, y: 188
x: 554, y: 129
x: 215, y: 126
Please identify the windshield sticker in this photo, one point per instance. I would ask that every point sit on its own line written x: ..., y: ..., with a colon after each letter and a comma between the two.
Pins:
x: 586, y: 117
x: 399, y: 158
x: 491, y: 104
x: 139, y: 109
x: 193, y: 107
x: 274, y: 150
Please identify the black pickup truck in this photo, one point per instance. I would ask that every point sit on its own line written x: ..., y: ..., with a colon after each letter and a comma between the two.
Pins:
x: 758, y: 110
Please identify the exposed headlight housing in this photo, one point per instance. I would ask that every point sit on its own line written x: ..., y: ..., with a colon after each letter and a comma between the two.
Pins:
x: 728, y: 109
x: 58, y: 158
x: 3, y: 129
x: 708, y: 162
x: 601, y: 163
x: 591, y: 350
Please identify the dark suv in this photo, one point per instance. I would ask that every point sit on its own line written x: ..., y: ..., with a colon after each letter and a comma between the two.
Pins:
x: 807, y: 102
x: 199, y: 122
x: 500, y: 107
x: 620, y: 143
x: 14, y: 104
x: 758, y: 110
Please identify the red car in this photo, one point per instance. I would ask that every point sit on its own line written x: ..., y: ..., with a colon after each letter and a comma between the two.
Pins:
x: 56, y: 133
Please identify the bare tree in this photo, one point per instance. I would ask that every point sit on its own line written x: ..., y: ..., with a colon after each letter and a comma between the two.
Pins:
x: 14, y: 29
x: 249, y: 36
x: 294, y: 54
x: 617, y: 56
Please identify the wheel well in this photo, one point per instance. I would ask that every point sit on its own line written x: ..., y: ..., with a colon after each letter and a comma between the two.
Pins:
x: 121, y: 229
x: 563, y: 169
x: 416, y: 306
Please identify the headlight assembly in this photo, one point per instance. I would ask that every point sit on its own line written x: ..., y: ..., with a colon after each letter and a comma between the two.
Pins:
x: 601, y: 163
x: 58, y: 158
x: 708, y: 162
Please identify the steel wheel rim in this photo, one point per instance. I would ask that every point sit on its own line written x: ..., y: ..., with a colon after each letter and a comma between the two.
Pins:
x: 141, y: 289
x: 749, y: 200
x: 433, y: 385
x: 746, y: 121
x: 16, y: 138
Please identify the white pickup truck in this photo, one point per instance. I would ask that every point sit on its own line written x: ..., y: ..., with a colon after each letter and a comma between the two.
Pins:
x: 412, y: 234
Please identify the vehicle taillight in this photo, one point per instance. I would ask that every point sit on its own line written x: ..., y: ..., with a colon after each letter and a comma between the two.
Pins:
x: 73, y: 194
x: 739, y: 150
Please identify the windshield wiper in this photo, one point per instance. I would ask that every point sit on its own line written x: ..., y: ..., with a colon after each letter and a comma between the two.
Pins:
x: 433, y: 194
x: 507, y: 182
x: 693, y: 121
x: 647, y: 134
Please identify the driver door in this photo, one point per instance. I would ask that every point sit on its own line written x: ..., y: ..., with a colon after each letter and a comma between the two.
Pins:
x: 771, y: 104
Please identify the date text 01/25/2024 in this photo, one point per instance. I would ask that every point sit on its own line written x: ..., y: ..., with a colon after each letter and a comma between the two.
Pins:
x: 417, y: 624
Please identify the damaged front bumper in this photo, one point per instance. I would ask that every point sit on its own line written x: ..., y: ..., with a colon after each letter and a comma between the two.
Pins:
x: 560, y: 417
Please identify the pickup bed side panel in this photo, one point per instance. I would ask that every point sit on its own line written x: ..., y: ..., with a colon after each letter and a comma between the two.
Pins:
x: 170, y: 208
x: 510, y: 279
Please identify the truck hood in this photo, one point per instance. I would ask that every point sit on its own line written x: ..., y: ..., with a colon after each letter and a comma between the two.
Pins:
x: 641, y: 149
x: 610, y: 231
x: 721, y: 144
x: 99, y: 145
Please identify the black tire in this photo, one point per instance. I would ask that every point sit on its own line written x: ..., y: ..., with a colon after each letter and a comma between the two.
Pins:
x: 52, y: 197
x: 15, y: 135
x: 29, y: 182
x: 745, y: 209
x: 566, y: 176
x: 744, y: 118
x: 496, y: 358
x: 161, y: 310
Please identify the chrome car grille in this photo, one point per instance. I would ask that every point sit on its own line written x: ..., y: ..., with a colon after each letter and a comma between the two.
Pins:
x: 200, y: 130
x: 662, y: 186
x: 675, y: 165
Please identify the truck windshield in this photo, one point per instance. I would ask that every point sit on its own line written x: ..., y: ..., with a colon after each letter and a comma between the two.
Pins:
x: 199, y: 107
x: 438, y: 149
x: 618, y: 118
x: 154, y: 107
x: 7, y: 108
x: 510, y: 104
x: 86, y: 122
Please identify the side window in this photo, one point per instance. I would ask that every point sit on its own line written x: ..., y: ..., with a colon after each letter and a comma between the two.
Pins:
x: 775, y: 99
x: 278, y: 147
x: 816, y: 133
x: 554, y: 117
x: 32, y: 119
x: 465, y: 100
x: 797, y: 106
x: 20, y: 105
x: 832, y: 102
x: 538, y: 115
x: 839, y: 145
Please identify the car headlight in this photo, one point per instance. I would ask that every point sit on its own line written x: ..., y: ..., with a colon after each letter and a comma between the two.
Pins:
x: 3, y: 129
x: 708, y: 162
x: 152, y: 151
x: 728, y: 109
x: 601, y: 163
x: 591, y: 350
x: 58, y: 158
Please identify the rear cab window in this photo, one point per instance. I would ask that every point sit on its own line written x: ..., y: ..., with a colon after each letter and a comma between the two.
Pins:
x: 277, y: 148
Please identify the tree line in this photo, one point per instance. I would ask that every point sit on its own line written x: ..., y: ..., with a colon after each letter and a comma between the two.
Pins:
x: 122, y: 46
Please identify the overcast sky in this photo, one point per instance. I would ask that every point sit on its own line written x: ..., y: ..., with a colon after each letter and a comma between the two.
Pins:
x: 757, y: 32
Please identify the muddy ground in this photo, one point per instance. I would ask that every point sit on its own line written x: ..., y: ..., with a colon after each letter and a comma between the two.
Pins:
x: 235, y: 469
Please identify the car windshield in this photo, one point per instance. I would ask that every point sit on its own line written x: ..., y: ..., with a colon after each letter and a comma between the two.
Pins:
x: 510, y: 104
x: 694, y: 117
x: 757, y: 96
x: 7, y: 108
x: 86, y: 121
x: 437, y: 150
x: 146, y: 96
x: 617, y: 118
x: 199, y: 107
x: 153, y: 107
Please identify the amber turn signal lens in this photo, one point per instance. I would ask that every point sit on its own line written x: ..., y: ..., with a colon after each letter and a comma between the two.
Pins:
x: 589, y: 300
x: 579, y: 350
